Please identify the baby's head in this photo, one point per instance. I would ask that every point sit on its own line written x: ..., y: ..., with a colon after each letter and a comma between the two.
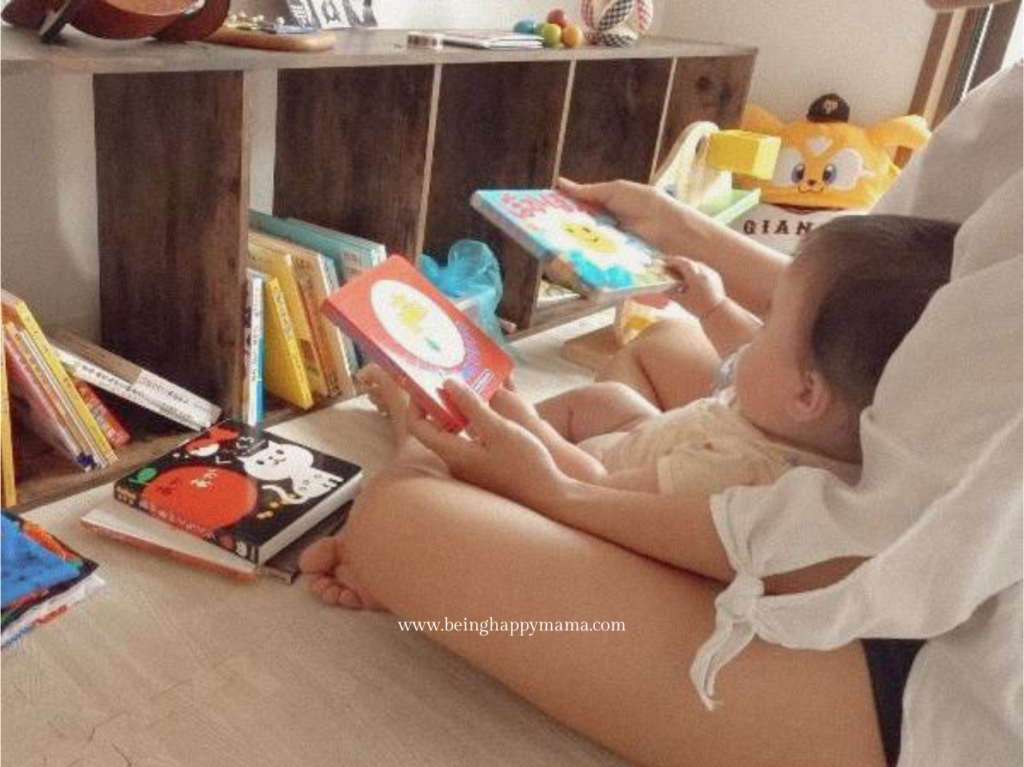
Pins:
x: 855, y: 288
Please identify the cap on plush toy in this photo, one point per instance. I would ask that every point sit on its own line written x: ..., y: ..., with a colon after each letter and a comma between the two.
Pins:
x: 826, y: 161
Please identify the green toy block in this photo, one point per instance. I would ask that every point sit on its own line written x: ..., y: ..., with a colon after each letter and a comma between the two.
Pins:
x: 739, y: 151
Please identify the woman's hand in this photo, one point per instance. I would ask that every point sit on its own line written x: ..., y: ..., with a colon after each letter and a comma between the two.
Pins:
x: 646, y: 212
x: 501, y: 456
x: 747, y: 267
x: 700, y: 290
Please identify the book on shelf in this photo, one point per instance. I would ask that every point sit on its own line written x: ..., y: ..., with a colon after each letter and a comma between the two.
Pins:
x: 403, y: 323
x: 56, y: 381
x: 244, y: 489
x: 580, y: 246
x: 280, y: 265
x: 40, y: 577
x: 117, y: 435
x: 493, y: 40
x: 284, y: 370
x: 8, y: 480
x: 109, y: 372
x: 317, y: 278
x: 37, y: 407
x: 124, y: 524
x: 352, y: 255
x: 253, y: 400
x: 33, y: 408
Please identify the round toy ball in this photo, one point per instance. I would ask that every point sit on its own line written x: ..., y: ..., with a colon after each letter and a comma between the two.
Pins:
x: 552, y: 34
x: 605, y: 15
x: 572, y: 36
x: 525, y: 27
x: 559, y: 17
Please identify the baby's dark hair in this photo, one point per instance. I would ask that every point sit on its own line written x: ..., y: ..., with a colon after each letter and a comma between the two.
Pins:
x: 872, y: 275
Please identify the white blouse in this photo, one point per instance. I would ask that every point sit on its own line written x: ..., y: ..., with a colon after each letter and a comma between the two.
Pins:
x: 939, y: 506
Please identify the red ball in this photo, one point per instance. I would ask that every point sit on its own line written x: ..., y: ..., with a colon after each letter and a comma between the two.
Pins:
x: 559, y: 17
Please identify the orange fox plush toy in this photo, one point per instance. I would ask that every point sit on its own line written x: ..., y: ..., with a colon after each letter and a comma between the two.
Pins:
x: 827, y: 162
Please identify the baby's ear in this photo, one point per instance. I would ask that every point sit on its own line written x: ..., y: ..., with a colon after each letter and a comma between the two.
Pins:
x: 814, y: 398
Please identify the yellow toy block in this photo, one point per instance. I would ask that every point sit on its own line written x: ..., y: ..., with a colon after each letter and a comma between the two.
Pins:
x: 740, y: 151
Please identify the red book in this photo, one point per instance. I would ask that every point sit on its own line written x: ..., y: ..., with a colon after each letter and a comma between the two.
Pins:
x: 405, y: 325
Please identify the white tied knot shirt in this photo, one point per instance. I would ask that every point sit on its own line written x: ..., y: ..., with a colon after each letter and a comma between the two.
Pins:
x: 939, y: 505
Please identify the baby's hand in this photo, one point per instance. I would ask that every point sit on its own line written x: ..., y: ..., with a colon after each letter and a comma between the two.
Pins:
x: 700, y: 289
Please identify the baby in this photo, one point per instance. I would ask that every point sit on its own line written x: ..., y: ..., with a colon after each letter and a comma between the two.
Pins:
x: 792, y: 388
x: 792, y: 394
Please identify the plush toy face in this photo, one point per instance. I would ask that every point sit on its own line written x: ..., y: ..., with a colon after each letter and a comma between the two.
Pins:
x: 833, y: 164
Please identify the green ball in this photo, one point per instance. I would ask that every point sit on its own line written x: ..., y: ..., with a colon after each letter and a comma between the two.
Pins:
x: 525, y: 27
x: 552, y: 34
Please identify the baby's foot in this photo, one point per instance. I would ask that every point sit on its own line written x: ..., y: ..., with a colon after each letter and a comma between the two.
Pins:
x: 387, y: 396
x: 330, y: 577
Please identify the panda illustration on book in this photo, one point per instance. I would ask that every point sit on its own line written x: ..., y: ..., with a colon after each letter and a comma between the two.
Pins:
x: 279, y: 462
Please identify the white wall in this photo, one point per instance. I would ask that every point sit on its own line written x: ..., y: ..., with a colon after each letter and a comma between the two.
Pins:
x: 868, y: 51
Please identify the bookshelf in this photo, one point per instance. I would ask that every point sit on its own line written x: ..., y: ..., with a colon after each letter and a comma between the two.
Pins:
x: 372, y: 138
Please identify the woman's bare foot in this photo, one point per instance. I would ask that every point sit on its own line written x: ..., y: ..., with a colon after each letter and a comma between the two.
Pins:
x: 331, y: 579
x: 387, y: 396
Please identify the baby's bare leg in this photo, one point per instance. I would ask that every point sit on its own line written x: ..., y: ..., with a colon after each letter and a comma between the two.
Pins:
x: 670, y: 364
x: 597, y: 408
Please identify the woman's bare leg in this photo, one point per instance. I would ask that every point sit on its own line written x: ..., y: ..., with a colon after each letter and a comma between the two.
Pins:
x: 670, y: 363
x: 430, y: 548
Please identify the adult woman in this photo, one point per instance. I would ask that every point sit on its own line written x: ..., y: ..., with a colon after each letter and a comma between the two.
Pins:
x: 941, y: 442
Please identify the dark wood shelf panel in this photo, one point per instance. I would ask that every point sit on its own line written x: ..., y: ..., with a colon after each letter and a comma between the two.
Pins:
x: 352, y: 150
x: 172, y: 184
x: 46, y: 476
x: 498, y: 126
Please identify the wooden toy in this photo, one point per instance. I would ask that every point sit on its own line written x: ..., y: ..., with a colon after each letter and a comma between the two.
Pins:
x: 740, y: 151
x: 700, y: 166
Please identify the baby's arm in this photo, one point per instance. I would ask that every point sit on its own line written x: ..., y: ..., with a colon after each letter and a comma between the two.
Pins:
x: 726, y: 324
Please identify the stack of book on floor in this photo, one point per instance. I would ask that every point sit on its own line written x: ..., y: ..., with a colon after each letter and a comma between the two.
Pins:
x: 56, y: 386
x: 292, y: 351
x: 234, y: 499
x: 40, y: 577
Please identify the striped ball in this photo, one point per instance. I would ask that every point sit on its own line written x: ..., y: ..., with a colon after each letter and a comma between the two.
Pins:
x: 643, y: 18
x: 618, y: 39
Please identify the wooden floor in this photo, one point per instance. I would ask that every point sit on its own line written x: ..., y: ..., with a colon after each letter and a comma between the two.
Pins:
x: 168, y: 665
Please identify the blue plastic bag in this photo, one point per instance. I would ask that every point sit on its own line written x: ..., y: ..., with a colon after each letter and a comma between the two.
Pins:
x: 471, y: 273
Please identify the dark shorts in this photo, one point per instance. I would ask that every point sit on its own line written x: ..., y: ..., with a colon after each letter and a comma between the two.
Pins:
x: 889, y: 662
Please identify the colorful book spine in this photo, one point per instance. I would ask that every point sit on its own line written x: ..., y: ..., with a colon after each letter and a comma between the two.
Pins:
x: 315, y: 274
x: 8, y: 480
x: 39, y: 406
x: 284, y: 372
x: 281, y: 266
x: 38, y: 409
x: 116, y: 433
x: 58, y: 398
x: 255, y: 348
x: 28, y: 323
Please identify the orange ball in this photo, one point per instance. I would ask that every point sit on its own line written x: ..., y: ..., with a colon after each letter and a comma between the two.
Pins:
x: 572, y: 36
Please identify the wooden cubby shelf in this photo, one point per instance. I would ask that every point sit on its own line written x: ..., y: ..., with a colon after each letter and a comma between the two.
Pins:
x: 372, y: 138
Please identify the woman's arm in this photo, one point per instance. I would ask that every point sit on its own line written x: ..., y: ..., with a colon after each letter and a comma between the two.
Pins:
x: 748, y: 267
x: 505, y: 458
